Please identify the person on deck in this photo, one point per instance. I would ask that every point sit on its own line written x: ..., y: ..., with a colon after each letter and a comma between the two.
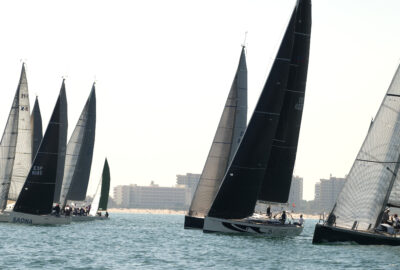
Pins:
x: 396, y: 222
x: 283, y: 217
x: 269, y: 211
x: 106, y: 214
x: 57, y: 210
x: 385, y: 217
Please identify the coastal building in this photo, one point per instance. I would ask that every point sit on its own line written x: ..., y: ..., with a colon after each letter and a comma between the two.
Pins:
x: 326, y: 193
x: 153, y: 196
x: 296, y: 192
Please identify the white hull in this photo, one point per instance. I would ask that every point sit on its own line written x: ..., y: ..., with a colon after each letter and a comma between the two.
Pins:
x: 246, y: 226
x: 29, y: 219
x: 82, y: 218
x: 5, y: 216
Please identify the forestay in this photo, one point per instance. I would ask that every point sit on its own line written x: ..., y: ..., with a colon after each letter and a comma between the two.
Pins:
x: 371, y: 177
x: 226, y: 140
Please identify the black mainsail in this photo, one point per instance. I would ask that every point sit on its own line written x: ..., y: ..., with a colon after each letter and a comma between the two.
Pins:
x: 37, y: 194
x: 36, y: 124
x: 79, y: 153
x: 278, y: 177
x: 230, y: 130
x: 241, y: 184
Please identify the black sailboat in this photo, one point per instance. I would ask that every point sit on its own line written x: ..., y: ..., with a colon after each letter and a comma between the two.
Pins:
x: 100, y: 200
x: 372, y: 184
x: 34, y: 204
x: 229, y: 132
x: 263, y: 164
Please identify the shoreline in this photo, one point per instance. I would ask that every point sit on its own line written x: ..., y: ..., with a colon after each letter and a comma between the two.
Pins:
x: 181, y: 212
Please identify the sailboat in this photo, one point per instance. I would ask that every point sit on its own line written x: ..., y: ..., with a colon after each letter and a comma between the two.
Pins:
x: 263, y: 164
x: 16, y: 147
x: 226, y: 140
x: 372, y: 184
x: 35, y: 202
x: 79, y: 155
x: 100, y: 200
x: 36, y: 126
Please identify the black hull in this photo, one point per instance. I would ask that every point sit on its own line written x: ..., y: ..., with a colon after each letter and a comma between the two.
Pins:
x: 193, y: 223
x: 325, y: 234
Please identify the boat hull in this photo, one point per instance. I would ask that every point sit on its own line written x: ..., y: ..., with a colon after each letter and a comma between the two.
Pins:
x: 326, y: 234
x: 252, y: 227
x: 5, y: 216
x: 193, y: 222
x: 29, y: 219
x: 82, y: 218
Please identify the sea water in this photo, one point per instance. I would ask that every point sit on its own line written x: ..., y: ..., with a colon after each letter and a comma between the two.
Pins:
x: 150, y: 241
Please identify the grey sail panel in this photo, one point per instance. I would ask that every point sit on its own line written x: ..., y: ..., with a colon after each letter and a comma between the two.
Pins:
x: 62, y: 143
x: 37, y: 128
x: 80, y: 153
x: 227, y: 137
x: 238, y: 191
x: 37, y: 194
x: 23, y: 151
x: 7, y: 151
x: 278, y: 176
x: 370, y: 179
x: 394, y: 199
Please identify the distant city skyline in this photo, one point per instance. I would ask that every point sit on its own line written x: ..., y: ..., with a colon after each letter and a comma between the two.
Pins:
x: 163, y: 70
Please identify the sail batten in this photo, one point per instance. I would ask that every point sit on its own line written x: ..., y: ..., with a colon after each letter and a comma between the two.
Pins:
x: 228, y: 136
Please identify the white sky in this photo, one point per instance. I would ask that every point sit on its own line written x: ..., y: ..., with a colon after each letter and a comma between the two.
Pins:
x: 164, y: 69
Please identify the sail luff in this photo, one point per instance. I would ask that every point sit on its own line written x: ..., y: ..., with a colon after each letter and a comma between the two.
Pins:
x: 364, y: 194
x: 227, y: 137
x: 23, y: 150
x: 278, y: 177
x: 237, y: 194
x: 37, y: 128
x: 37, y: 194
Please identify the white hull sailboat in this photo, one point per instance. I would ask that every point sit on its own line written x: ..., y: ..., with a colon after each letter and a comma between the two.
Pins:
x: 273, y: 228
x: 262, y: 167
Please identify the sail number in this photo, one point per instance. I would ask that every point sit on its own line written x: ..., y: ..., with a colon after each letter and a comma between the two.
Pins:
x: 24, y: 96
x: 24, y: 108
x: 37, y: 170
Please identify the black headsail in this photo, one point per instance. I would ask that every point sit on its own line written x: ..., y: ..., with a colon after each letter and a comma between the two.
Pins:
x: 238, y: 192
x: 37, y: 132
x: 278, y: 176
x: 105, y: 187
x: 36, y: 196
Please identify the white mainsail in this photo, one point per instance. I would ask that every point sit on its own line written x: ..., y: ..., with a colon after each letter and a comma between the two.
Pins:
x: 23, y: 152
x: 371, y: 178
x: 96, y: 200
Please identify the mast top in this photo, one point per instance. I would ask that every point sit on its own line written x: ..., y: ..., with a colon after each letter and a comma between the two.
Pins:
x: 244, y: 41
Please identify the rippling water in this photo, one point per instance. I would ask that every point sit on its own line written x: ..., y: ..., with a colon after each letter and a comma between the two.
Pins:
x: 146, y: 241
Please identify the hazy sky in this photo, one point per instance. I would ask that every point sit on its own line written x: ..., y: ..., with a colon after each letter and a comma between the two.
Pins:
x: 164, y: 69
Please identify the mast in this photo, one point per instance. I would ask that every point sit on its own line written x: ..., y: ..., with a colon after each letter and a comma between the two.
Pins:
x: 228, y: 135
x: 36, y: 125
x: 37, y: 194
x: 80, y: 153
